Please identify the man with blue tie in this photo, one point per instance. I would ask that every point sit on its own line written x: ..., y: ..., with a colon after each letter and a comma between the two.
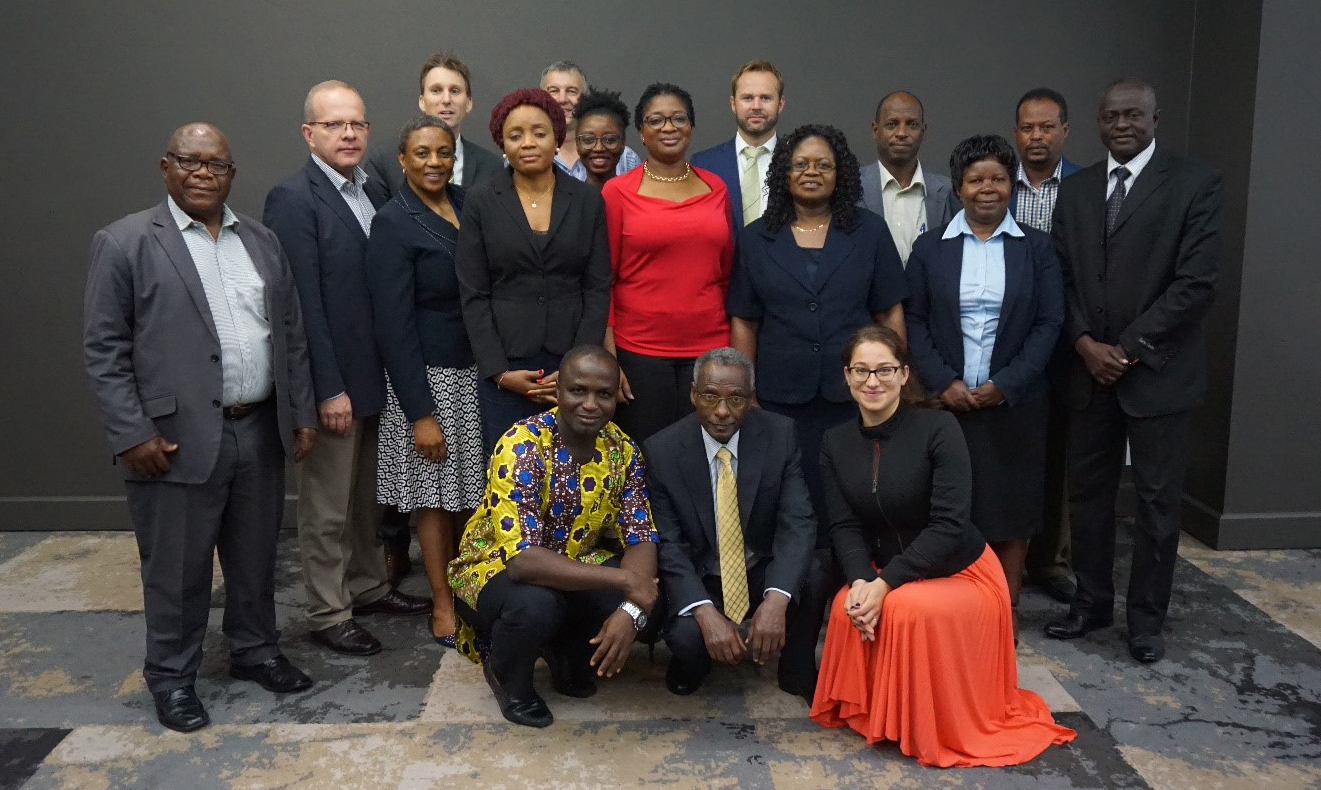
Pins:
x: 756, y: 99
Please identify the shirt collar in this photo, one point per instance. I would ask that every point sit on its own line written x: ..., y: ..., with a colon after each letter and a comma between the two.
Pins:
x: 918, y: 180
x: 959, y: 226
x: 712, y: 446
x: 740, y: 143
x: 184, y: 222
x: 1134, y: 165
x: 359, y: 175
x: 1024, y: 180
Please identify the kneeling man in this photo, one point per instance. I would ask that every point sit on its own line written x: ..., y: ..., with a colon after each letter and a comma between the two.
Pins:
x: 560, y: 559
x: 737, y: 533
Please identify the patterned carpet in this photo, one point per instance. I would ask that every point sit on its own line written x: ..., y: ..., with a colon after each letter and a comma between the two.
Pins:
x: 1235, y: 705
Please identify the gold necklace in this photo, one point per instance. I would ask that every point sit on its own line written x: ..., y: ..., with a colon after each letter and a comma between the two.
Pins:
x: 687, y: 171
x: 810, y: 230
x: 532, y: 201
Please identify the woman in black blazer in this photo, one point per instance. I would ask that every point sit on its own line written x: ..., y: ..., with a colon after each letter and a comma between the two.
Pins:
x: 533, y: 264
x: 810, y: 272
x: 430, y: 447
x: 984, y: 312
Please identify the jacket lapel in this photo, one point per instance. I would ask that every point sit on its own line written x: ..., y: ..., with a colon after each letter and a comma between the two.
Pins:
x: 326, y: 193
x: 839, y: 246
x: 507, y: 195
x: 947, y: 292
x: 1151, y: 177
x: 559, y: 204
x: 697, y: 476
x: 171, y: 240
x: 1016, y: 271
x: 751, y: 458
x: 936, y: 198
x: 784, y: 251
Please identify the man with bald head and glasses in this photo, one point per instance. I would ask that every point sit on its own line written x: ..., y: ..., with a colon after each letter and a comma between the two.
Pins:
x: 193, y: 341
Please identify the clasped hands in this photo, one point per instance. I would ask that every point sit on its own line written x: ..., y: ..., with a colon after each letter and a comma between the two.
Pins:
x: 958, y: 397
x: 862, y: 604
x: 1105, y: 363
x: 534, y: 385
x: 725, y: 644
x: 617, y: 633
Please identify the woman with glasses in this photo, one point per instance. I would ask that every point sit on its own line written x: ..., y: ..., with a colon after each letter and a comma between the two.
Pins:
x: 672, y: 249
x: 811, y: 271
x: 985, y: 311
x: 919, y: 643
x: 602, y: 119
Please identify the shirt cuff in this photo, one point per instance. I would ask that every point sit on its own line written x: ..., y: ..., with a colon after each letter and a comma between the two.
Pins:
x: 332, y: 397
x: 770, y: 590
x: 687, y: 611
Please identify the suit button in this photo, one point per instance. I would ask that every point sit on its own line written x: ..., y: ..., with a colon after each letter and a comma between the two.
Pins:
x: 215, y: 357
x: 1099, y: 311
x: 811, y: 306
x: 1100, y: 278
x: 816, y: 346
x: 215, y: 403
x: 541, y: 300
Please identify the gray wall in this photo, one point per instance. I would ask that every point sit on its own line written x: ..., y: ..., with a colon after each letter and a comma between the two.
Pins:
x: 93, y: 89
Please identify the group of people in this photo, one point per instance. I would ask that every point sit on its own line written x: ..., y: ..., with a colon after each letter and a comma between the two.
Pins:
x: 618, y: 395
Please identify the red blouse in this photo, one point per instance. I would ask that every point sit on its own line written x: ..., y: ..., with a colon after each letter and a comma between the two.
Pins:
x: 671, y: 267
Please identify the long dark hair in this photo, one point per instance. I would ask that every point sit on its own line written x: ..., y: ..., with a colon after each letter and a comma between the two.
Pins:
x: 848, y: 180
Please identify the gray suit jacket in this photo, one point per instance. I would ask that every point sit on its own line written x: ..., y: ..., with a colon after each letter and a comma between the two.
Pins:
x: 941, y: 202
x: 151, y: 350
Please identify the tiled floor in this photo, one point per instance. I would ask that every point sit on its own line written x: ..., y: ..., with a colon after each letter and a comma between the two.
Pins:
x: 1237, y: 703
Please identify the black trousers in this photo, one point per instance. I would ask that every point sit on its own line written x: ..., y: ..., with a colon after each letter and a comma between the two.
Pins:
x: 661, y: 388
x: 236, y: 513
x: 501, y: 408
x: 1096, y: 459
x: 802, y: 626
x: 813, y: 419
x: 523, y: 620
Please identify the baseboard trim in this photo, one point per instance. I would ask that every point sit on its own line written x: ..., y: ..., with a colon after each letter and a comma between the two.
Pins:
x: 1240, y: 531
x: 83, y: 513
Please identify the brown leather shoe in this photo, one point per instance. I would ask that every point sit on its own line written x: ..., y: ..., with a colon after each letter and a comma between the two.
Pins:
x: 395, y: 602
x: 348, y: 638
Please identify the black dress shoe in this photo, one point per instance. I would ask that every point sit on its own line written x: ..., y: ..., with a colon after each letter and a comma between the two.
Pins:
x: 1061, y: 588
x: 395, y: 602
x: 1147, y: 649
x: 680, y: 682
x: 1074, y: 625
x: 567, y: 679
x: 275, y: 674
x: 799, y: 687
x: 180, y: 709
x: 530, y: 712
x: 348, y: 638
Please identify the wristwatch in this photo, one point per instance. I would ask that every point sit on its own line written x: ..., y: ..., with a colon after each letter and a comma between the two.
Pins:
x: 632, y: 610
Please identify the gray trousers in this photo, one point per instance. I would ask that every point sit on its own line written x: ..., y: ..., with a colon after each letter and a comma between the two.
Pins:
x: 179, y: 526
x: 338, y: 519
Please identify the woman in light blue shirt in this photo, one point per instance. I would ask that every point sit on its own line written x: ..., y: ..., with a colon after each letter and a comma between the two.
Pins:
x: 984, y: 312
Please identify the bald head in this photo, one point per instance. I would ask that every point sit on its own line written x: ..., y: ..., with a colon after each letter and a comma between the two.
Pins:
x: 198, y: 171
x: 197, y: 130
x: 903, y: 97
x: 898, y: 129
x: 1127, y: 118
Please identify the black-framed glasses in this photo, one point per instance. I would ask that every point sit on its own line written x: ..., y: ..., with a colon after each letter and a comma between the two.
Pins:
x: 341, y: 126
x: 191, y: 164
x: 680, y: 120
x: 712, y: 400
x: 803, y: 165
x: 610, y: 141
x: 859, y: 374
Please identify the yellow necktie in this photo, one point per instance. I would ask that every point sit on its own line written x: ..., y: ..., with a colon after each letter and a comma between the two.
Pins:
x: 750, y: 184
x: 729, y: 532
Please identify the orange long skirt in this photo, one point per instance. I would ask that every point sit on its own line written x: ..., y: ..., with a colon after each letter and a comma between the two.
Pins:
x: 941, y: 677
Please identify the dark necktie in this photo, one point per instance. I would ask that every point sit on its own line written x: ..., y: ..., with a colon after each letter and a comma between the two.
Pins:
x: 1115, y: 200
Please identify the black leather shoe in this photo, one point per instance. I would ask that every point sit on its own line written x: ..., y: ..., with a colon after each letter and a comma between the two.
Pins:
x: 1061, y: 588
x: 276, y: 674
x: 1147, y: 649
x: 569, y: 680
x: 180, y: 709
x: 348, y: 638
x: 1074, y: 625
x: 799, y: 687
x: 395, y: 602
x: 530, y: 712
x: 679, y: 682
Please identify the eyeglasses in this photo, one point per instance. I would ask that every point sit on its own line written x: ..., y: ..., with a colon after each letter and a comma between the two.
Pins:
x: 341, y: 126
x: 712, y: 400
x: 191, y: 164
x: 610, y: 141
x: 679, y: 120
x: 821, y: 165
x: 859, y: 374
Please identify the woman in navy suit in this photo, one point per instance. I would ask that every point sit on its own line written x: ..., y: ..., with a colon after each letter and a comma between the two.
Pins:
x: 815, y: 268
x: 985, y: 308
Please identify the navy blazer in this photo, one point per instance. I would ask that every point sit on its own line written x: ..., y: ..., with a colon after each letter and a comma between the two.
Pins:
x: 722, y: 160
x: 1067, y: 169
x: 415, y: 296
x: 327, y: 250
x: 805, y: 322
x: 1030, y: 315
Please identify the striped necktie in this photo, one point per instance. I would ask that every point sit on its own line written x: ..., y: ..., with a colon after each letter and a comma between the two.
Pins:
x: 729, y: 534
x: 1116, y: 199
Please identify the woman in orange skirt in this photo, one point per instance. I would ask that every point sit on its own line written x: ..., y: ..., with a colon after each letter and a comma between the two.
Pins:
x: 920, y: 644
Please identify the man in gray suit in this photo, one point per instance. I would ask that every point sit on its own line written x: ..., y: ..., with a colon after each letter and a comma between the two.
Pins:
x: 194, y: 343
x: 911, y: 200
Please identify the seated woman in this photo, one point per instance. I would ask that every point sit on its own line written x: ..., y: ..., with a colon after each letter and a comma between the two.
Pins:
x: 986, y: 306
x: 919, y: 646
x: 538, y: 573
x: 602, y: 120
x: 430, y: 443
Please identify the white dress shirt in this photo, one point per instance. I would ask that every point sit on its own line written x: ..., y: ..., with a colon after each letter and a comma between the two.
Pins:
x: 905, y: 209
x: 763, y: 166
x: 456, y: 176
x: 1134, y: 166
x: 352, y: 192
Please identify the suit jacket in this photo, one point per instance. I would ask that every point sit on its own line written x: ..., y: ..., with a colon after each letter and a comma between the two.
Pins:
x: 942, y: 203
x: 479, y: 164
x: 1067, y: 169
x: 805, y: 322
x: 1030, y: 315
x: 415, y: 296
x: 327, y: 249
x: 150, y: 345
x: 1149, y: 286
x: 778, y: 524
x: 521, y: 293
x: 722, y: 160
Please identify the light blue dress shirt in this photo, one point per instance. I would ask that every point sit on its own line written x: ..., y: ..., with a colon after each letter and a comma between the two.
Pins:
x: 981, y: 292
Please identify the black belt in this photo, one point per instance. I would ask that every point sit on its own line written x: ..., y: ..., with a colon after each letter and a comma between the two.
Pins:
x: 241, y: 410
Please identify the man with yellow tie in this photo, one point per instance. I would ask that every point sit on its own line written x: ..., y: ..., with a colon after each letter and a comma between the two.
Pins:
x: 736, y: 534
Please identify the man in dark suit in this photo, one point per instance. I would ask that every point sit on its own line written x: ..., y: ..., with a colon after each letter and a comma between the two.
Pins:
x: 193, y: 340
x: 756, y: 98
x: 737, y: 533
x: 1041, y: 128
x: 322, y: 215
x: 1138, y: 237
x: 445, y: 91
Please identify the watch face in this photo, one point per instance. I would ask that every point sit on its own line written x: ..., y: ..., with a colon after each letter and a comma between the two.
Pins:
x: 640, y: 621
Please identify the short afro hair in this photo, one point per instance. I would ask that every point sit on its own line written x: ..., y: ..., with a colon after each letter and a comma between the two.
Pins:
x: 533, y: 97
x: 976, y: 148
x: 597, y: 101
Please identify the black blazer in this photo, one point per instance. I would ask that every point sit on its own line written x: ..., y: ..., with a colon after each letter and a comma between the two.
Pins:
x: 1150, y: 286
x: 778, y: 524
x: 805, y: 322
x: 415, y: 296
x: 1030, y: 315
x: 522, y: 294
x: 479, y: 164
x: 327, y: 249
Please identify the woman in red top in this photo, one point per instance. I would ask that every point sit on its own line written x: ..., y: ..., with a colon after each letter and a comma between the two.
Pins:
x: 672, y: 250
